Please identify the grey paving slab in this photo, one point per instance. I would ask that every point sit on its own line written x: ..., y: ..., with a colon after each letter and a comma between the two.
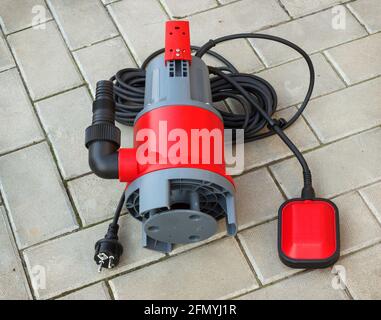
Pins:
x: 312, y: 33
x: 358, y: 226
x: 235, y: 18
x: 330, y: 116
x: 82, y: 22
x: 215, y: 271
x: 183, y: 8
x: 257, y: 198
x: 37, y: 203
x: 291, y: 80
x: 95, y: 198
x: 358, y: 60
x: 65, y: 118
x: 299, y: 8
x: 102, y: 60
x: 6, y: 59
x: 144, y: 35
x: 315, y: 285
x: 372, y: 196
x: 98, y: 291
x: 260, y: 152
x: 336, y: 168
x: 35, y: 196
x: 21, y: 14
x: 363, y: 273
x: 18, y: 123
x: 13, y: 283
x: 368, y: 12
x: 45, y: 63
x: 68, y: 269
x: 260, y: 245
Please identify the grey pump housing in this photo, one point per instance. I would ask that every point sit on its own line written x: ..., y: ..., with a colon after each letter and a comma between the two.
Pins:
x: 179, y: 205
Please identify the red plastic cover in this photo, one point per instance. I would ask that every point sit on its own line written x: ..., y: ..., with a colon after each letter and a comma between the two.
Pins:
x: 177, y: 41
x: 308, y: 230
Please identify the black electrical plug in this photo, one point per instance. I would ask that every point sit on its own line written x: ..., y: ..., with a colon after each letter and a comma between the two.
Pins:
x: 108, y: 250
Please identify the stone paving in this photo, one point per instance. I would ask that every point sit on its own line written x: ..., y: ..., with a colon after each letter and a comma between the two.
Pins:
x: 53, y: 209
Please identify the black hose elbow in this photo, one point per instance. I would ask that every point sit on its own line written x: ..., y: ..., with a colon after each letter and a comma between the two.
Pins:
x: 103, y: 159
x: 103, y: 137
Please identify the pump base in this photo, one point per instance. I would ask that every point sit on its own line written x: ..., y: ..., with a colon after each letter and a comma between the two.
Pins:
x: 180, y: 205
x: 180, y: 226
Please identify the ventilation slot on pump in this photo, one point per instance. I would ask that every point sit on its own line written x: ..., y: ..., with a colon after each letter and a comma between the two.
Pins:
x: 178, y: 69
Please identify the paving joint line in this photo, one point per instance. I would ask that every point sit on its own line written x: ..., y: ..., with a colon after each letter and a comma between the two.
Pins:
x: 220, y: 5
x: 308, y: 150
x: 165, y: 257
x: 46, y: 136
x: 115, y: 24
x: 128, y: 48
x: 301, y: 271
x: 7, y: 69
x: 22, y: 261
x: 304, y: 271
x: 277, y: 184
x: 258, y: 57
x: 112, y: 1
x: 372, y: 211
x: 285, y: 9
x: 24, y: 265
x: 60, y: 92
x: 22, y: 147
x: 85, y: 84
x: 67, y: 47
x: 95, y: 42
x: 335, y: 68
x: 109, y: 290
x: 311, y: 129
x: 354, y: 15
x: 174, y: 17
x: 27, y: 28
x: 61, y: 28
x: 71, y: 179
x: 165, y: 9
x: 329, y: 7
x: 265, y: 28
x: 247, y: 259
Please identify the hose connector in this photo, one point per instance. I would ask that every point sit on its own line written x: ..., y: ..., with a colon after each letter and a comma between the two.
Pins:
x: 102, y: 138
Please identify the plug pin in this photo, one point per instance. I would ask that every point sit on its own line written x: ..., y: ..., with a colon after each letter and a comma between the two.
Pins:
x: 110, y: 262
x: 108, y: 250
x: 100, y: 265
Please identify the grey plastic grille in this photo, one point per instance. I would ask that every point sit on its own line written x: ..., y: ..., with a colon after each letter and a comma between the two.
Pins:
x: 178, y: 68
x: 212, y: 197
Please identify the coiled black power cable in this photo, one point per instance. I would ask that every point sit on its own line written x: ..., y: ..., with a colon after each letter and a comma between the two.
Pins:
x: 257, y: 97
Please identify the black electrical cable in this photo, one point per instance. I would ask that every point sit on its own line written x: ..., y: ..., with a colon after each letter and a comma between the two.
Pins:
x: 274, y: 124
x: 118, y: 209
x: 130, y: 84
x: 256, y: 96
